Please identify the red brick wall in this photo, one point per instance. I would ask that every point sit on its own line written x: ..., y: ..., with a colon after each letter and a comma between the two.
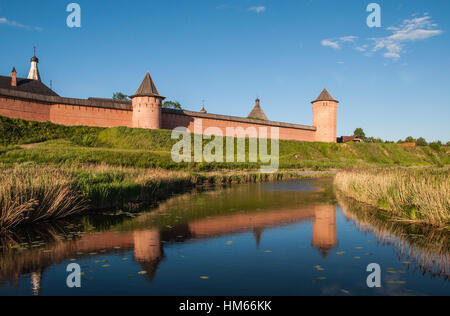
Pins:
x: 171, y: 121
x: 73, y: 115
x: 26, y: 110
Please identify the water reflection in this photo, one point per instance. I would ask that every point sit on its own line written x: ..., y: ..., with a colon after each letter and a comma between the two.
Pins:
x: 208, y: 215
x: 428, y: 249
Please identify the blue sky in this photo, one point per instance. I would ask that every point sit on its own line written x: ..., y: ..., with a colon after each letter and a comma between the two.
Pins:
x: 393, y: 81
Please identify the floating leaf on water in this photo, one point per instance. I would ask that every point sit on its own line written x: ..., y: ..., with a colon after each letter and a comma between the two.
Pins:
x: 409, y: 291
x: 124, y: 259
x: 319, y: 268
x: 268, y: 251
x: 228, y: 243
x: 396, y: 282
x: 106, y: 266
x: 406, y: 262
x: 345, y: 291
x: 340, y: 253
x: 117, y: 247
x: 359, y: 248
x: 357, y: 257
x: 142, y: 272
x: 204, y: 277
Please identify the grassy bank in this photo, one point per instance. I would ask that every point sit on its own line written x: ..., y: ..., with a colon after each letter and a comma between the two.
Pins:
x: 416, y: 195
x: 33, y: 193
x: 128, y: 147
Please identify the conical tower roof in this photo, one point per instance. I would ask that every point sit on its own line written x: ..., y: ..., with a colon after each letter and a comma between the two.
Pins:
x: 34, y: 70
x: 147, y: 88
x: 257, y: 112
x: 325, y: 96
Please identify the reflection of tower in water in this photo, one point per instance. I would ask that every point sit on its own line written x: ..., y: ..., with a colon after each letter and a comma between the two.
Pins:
x: 148, y: 251
x: 324, y: 228
x: 257, y: 233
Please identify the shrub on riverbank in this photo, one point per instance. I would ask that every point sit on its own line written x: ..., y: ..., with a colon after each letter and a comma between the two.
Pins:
x: 416, y: 195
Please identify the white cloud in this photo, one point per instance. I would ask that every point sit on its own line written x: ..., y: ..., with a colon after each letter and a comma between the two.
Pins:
x: 411, y: 30
x: 331, y: 43
x: 336, y: 43
x: 348, y: 39
x: 257, y: 9
x: 392, y: 46
x: 5, y: 21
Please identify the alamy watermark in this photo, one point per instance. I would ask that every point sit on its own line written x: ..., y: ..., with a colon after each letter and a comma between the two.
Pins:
x: 235, y: 139
x: 374, y: 19
x: 374, y: 278
x: 74, y: 18
x: 73, y: 280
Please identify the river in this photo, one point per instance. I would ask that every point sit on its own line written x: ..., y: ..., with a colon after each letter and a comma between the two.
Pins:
x: 284, y: 238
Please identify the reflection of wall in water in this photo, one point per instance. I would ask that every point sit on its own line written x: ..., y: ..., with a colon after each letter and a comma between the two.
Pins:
x: 148, y: 248
x: 323, y: 217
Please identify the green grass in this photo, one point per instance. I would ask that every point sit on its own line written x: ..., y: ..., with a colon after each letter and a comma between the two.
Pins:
x: 129, y: 147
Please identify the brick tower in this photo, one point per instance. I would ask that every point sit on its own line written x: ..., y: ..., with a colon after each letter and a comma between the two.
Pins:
x: 147, y: 105
x: 325, y: 117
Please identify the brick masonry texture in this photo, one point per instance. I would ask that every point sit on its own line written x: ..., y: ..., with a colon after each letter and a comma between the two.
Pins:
x: 146, y: 112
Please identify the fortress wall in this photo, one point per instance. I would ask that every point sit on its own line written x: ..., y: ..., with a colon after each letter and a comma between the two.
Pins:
x: 74, y: 115
x: 171, y: 121
x: 23, y: 109
x: 79, y: 115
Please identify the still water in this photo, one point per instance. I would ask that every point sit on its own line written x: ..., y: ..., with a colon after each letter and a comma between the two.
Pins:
x: 284, y: 238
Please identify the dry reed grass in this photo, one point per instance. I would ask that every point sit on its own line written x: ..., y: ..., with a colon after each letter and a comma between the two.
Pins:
x: 36, y: 194
x: 415, y: 195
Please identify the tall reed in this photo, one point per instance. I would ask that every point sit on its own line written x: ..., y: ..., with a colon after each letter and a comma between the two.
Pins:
x: 416, y: 195
x: 35, y: 194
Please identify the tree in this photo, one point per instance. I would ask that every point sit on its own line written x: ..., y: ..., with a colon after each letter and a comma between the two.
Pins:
x: 359, y: 132
x: 172, y: 105
x: 119, y: 96
x: 421, y: 142
x: 410, y: 139
x: 436, y: 146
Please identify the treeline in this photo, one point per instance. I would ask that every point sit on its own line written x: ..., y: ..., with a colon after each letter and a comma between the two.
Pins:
x: 359, y: 132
